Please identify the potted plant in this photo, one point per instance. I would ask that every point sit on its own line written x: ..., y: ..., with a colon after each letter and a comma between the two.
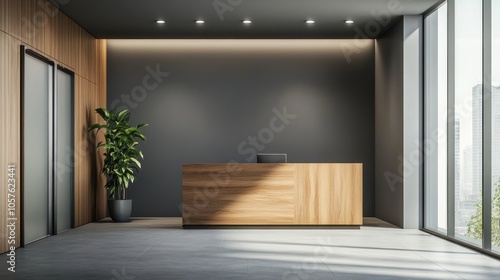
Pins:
x: 121, y: 159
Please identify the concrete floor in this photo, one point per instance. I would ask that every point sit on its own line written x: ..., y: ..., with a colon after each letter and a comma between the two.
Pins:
x: 158, y: 248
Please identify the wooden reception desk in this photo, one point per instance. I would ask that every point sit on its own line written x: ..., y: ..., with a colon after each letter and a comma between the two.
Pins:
x: 272, y: 194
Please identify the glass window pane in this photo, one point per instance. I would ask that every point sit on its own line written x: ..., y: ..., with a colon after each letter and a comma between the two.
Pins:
x: 436, y: 120
x: 468, y: 120
x: 495, y: 123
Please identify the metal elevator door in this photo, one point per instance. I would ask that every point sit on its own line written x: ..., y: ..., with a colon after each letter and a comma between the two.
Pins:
x: 38, y: 89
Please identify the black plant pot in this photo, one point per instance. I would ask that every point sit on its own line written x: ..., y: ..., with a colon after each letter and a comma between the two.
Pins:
x: 120, y: 209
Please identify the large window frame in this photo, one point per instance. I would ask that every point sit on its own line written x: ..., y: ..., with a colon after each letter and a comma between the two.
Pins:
x: 487, y: 87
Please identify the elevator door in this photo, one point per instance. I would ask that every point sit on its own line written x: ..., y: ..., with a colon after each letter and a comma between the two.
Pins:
x: 38, y: 88
x: 64, y: 150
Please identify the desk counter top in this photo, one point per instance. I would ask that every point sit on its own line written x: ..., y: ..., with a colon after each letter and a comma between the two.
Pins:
x: 272, y: 194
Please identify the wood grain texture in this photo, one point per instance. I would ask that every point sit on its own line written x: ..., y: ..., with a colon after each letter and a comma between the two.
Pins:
x: 101, y: 79
x: 82, y: 150
x: 84, y: 57
x: 9, y: 127
x: 272, y: 194
x: 93, y: 58
x: 101, y: 195
x: 40, y: 26
x: 86, y: 184
x: 51, y: 31
x: 216, y: 194
x: 329, y: 194
x: 63, y: 39
x: 74, y: 47
x: 33, y: 24
x: 13, y: 15
x: 3, y: 19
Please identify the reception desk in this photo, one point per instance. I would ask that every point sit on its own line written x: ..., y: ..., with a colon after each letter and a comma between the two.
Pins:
x: 272, y: 194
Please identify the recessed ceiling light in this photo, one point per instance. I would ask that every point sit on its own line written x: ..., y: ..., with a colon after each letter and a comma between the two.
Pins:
x: 199, y: 21
x: 160, y: 21
x: 349, y: 21
x: 246, y: 21
x: 310, y: 21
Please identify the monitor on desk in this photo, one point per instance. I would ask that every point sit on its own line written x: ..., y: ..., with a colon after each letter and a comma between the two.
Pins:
x: 271, y: 158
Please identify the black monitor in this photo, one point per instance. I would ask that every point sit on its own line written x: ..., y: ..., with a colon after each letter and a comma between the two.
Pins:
x: 271, y: 158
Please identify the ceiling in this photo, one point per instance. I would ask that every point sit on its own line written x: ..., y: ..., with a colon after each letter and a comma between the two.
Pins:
x: 270, y: 18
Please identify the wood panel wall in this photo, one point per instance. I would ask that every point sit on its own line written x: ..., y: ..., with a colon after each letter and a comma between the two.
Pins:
x: 40, y: 26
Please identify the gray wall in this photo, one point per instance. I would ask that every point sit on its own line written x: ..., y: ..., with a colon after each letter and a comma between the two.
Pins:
x: 217, y: 93
x: 413, y: 116
x: 389, y: 125
x: 398, y: 123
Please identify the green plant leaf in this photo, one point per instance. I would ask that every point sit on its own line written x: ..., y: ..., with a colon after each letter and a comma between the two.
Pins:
x: 94, y: 126
x: 103, y: 113
x: 121, y: 160
x: 136, y: 162
x: 141, y: 136
x: 121, y: 114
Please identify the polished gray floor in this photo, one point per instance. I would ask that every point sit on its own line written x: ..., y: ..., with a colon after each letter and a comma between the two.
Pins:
x: 161, y: 249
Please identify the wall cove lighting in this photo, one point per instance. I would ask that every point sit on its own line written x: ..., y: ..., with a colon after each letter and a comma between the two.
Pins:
x: 349, y: 21
x: 160, y: 21
x: 246, y: 21
x: 199, y: 21
x: 310, y: 21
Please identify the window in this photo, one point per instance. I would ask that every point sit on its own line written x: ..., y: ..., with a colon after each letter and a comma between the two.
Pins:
x: 462, y: 122
x: 436, y: 120
x: 468, y: 119
x: 495, y: 126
